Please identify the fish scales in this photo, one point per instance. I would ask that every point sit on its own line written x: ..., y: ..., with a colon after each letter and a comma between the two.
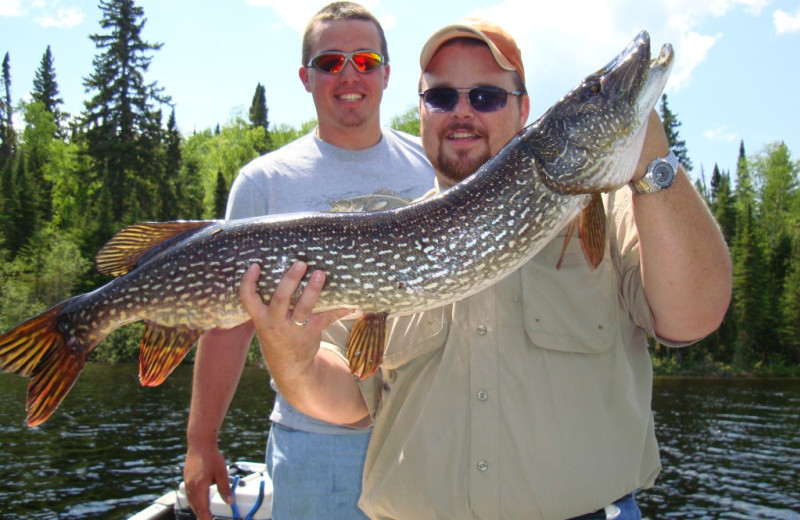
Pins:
x: 182, y: 278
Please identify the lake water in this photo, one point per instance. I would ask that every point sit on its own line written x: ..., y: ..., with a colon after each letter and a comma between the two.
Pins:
x: 730, y: 448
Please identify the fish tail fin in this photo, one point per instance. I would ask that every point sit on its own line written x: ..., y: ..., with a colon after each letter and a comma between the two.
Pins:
x: 38, y: 349
x: 162, y: 349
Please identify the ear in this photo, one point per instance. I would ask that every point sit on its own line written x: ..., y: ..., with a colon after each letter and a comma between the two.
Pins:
x: 524, y: 109
x: 386, y: 70
x: 303, y: 73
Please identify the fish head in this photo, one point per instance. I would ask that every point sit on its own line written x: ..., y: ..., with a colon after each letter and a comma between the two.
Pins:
x: 590, y: 140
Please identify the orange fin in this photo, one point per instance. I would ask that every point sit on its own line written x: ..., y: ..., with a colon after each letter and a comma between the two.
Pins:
x: 162, y: 349
x: 570, y: 231
x: 366, y: 343
x: 121, y: 254
x: 39, y: 350
x: 593, y: 231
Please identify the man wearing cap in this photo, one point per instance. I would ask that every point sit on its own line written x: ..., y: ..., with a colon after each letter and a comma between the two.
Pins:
x: 531, y: 399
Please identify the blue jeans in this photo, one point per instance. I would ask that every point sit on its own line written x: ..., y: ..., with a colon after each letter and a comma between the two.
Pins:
x: 316, y: 475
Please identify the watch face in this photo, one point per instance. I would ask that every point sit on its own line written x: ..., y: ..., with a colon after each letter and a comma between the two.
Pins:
x: 662, y: 174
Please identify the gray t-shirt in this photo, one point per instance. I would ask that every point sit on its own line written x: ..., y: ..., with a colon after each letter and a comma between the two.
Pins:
x: 311, y: 175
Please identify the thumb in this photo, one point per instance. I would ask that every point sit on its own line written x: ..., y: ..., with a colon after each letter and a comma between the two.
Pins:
x: 224, y: 486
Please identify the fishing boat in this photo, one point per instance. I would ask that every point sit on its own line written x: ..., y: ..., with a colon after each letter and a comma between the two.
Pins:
x: 252, y: 493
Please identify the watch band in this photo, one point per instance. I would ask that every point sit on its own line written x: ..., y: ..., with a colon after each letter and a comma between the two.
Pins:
x: 659, y: 176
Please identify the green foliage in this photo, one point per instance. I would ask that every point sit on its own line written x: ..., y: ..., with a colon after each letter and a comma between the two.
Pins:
x: 671, y: 125
x: 407, y: 122
x: 44, y: 272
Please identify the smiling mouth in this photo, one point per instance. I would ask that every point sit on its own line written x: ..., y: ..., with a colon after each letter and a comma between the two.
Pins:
x: 462, y: 134
x: 350, y: 97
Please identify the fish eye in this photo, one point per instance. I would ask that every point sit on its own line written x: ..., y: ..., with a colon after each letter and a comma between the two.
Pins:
x: 592, y: 87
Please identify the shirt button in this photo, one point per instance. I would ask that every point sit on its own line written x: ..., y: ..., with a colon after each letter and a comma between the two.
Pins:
x: 483, y: 465
x: 483, y: 395
x: 481, y: 330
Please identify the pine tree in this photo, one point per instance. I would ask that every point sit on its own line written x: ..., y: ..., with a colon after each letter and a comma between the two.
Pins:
x: 748, y: 268
x: 671, y: 125
x: 120, y: 118
x: 7, y: 137
x: 220, y: 196
x: 172, y: 169
x: 45, y: 90
x: 258, y: 115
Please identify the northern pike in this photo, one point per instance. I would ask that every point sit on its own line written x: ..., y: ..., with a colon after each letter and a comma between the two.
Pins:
x: 181, y: 278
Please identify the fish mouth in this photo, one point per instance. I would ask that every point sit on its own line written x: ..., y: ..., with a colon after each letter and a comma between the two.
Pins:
x: 590, y: 140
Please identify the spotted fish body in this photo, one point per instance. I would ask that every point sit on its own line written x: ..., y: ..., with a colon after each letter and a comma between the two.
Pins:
x: 182, y: 278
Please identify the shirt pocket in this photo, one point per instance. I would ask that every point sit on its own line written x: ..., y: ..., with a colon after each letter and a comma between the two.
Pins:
x: 572, y: 309
x: 410, y: 337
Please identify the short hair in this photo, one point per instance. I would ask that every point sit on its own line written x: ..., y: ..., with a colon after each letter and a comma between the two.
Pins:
x: 340, y: 11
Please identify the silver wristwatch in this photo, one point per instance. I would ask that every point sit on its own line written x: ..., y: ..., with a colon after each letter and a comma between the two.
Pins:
x: 660, y: 175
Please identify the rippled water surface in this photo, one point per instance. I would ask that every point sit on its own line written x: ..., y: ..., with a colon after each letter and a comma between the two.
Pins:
x: 730, y: 448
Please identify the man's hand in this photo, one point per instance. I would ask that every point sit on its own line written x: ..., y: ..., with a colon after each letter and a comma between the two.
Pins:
x: 205, y: 466
x: 289, y: 337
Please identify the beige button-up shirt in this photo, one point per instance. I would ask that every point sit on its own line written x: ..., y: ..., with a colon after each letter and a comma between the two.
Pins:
x: 530, y: 400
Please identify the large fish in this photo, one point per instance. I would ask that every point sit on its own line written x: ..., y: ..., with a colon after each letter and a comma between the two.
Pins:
x: 182, y: 278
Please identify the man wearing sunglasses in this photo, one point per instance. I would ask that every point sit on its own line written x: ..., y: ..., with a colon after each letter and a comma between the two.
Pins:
x: 315, y: 465
x: 531, y: 399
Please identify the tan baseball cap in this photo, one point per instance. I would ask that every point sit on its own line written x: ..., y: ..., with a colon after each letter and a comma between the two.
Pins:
x: 502, y: 45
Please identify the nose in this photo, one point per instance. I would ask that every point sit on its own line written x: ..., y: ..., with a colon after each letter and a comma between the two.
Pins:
x: 463, y: 107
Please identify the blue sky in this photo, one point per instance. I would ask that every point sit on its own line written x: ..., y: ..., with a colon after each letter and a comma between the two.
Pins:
x: 736, y: 75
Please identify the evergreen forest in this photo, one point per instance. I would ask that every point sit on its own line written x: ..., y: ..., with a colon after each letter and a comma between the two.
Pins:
x: 70, y: 181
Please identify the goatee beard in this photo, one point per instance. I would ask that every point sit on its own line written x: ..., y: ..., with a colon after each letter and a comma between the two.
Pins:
x: 458, y: 168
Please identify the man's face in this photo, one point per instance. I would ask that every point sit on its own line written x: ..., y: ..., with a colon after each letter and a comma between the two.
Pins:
x: 459, y: 141
x: 350, y: 99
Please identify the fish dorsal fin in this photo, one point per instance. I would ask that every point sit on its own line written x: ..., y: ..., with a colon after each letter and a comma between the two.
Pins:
x: 366, y: 343
x: 593, y: 231
x: 162, y: 349
x: 121, y: 254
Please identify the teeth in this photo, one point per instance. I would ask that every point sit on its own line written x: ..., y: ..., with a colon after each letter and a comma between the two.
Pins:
x: 461, y: 135
x: 350, y: 97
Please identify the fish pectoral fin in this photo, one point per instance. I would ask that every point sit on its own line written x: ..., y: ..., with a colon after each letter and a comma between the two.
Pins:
x: 121, y: 254
x: 570, y: 231
x: 162, y: 349
x: 39, y: 350
x: 366, y: 344
x: 593, y: 231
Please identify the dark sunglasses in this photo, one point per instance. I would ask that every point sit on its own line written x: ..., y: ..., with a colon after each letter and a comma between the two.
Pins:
x: 482, y: 99
x: 334, y: 62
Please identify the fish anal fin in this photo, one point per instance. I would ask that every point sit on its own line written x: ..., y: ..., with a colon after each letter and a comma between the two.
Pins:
x: 366, y: 344
x: 162, y: 349
x: 121, y: 254
x: 593, y: 231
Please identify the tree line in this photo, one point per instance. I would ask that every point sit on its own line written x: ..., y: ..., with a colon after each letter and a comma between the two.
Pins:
x: 70, y: 181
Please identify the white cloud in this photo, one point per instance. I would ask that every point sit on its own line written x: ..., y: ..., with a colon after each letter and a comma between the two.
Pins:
x: 296, y: 13
x: 786, y: 22
x: 11, y: 8
x: 63, y: 18
x: 720, y: 133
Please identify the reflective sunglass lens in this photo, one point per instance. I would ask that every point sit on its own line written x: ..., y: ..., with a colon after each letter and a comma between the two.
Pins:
x: 366, y: 61
x: 331, y: 63
x: 482, y: 99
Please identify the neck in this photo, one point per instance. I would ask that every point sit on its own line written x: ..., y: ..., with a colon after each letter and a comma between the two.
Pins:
x: 350, y: 138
